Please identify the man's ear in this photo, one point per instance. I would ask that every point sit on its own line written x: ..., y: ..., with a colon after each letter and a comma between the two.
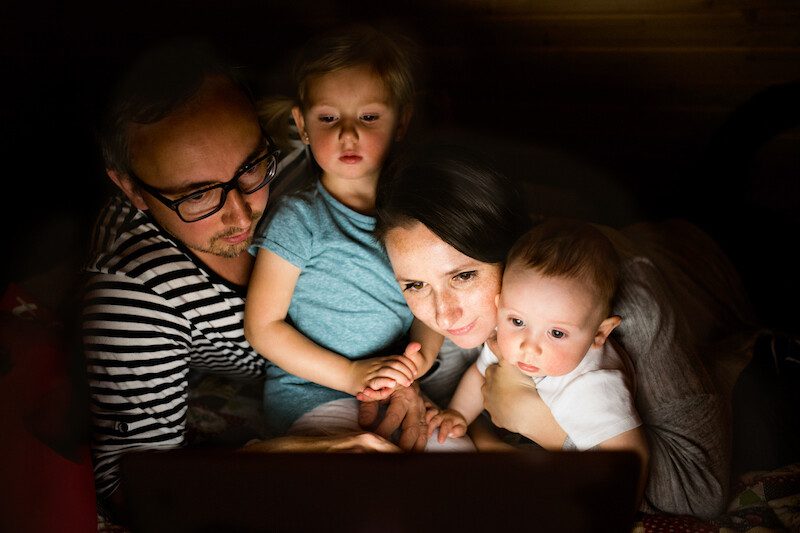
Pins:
x: 297, y: 115
x: 124, y: 182
x: 605, y: 329
x: 403, y: 121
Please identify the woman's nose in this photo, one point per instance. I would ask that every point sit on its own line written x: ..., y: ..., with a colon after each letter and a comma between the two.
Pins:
x: 448, y: 311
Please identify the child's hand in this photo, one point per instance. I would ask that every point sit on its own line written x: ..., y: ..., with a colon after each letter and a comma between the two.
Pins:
x: 450, y: 423
x: 381, y: 385
x: 385, y: 372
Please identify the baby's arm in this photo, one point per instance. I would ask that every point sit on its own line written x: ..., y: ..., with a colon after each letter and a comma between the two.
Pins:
x: 464, y: 408
x: 270, y: 292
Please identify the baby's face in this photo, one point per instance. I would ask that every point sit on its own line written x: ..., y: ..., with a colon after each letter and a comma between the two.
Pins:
x: 545, y: 324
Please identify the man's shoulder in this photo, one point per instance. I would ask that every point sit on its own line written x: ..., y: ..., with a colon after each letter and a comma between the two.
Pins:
x: 126, y: 241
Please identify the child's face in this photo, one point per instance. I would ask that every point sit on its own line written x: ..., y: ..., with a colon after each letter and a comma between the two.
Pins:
x: 351, y: 122
x: 545, y: 324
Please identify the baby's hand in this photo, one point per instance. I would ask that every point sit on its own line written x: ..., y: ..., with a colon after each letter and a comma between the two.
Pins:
x: 450, y: 423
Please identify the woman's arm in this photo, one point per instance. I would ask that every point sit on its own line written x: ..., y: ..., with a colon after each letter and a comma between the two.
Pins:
x: 514, y: 404
x: 633, y: 440
x: 270, y: 292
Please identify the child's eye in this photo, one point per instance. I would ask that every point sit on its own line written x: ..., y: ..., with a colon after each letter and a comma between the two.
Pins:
x: 327, y: 119
x: 557, y: 334
x: 517, y: 322
x: 413, y: 286
x: 369, y: 117
x: 465, y: 276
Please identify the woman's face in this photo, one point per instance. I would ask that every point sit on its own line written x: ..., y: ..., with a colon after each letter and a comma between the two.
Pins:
x: 450, y: 292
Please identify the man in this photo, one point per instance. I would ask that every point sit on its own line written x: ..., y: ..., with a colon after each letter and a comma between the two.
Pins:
x: 168, y: 270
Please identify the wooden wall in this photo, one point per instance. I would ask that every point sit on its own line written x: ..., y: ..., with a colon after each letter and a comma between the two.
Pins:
x: 673, y: 108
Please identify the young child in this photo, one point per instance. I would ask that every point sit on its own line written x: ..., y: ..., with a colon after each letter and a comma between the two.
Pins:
x: 553, y: 326
x: 323, y: 304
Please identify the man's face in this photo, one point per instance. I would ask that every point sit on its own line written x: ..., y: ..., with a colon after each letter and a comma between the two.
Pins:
x: 202, y: 144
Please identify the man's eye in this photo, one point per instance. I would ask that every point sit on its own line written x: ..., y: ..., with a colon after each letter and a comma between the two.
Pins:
x: 465, y: 276
x: 413, y: 286
x: 198, y: 198
x: 557, y: 334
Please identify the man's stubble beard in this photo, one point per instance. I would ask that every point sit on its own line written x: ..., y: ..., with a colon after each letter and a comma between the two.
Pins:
x: 216, y: 245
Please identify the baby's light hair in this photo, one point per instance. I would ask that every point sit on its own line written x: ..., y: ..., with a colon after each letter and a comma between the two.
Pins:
x: 574, y: 249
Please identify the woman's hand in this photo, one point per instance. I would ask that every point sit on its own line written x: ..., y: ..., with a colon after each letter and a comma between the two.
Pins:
x: 513, y: 402
x: 406, y: 411
x: 451, y: 423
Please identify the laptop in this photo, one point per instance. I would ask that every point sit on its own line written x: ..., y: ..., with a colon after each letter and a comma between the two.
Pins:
x: 191, y: 490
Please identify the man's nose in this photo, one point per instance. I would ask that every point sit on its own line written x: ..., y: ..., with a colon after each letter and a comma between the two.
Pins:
x: 236, y: 211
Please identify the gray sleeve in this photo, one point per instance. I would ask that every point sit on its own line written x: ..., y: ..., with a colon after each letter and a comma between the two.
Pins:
x: 683, y: 415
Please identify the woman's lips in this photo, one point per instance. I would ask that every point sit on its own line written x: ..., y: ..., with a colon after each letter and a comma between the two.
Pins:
x: 527, y: 368
x: 464, y: 330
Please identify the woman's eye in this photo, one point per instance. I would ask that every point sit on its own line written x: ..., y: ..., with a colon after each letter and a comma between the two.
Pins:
x: 465, y: 276
x: 557, y: 334
x: 413, y: 286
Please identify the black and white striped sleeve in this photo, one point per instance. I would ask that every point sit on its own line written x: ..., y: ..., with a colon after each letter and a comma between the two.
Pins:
x: 137, y: 353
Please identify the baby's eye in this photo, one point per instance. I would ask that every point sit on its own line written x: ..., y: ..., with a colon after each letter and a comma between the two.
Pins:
x: 517, y: 322
x: 369, y: 117
x: 465, y: 276
x: 413, y: 286
x: 327, y: 119
x: 557, y: 334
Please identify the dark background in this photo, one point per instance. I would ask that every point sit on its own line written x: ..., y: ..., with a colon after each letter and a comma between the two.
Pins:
x: 612, y: 110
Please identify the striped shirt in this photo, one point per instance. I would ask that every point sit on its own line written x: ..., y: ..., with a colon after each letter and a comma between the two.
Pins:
x: 151, y: 311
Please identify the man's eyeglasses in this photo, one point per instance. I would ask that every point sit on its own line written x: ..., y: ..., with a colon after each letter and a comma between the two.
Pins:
x: 203, y: 203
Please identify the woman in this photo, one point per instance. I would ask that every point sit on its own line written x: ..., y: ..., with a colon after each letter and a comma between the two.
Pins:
x: 447, y: 221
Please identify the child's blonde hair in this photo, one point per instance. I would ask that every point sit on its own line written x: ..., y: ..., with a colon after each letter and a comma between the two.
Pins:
x: 392, y: 56
x: 573, y: 249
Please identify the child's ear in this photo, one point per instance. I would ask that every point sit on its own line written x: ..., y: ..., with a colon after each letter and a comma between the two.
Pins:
x: 130, y: 189
x: 297, y: 115
x: 605, y: 329
x: 403, y: 121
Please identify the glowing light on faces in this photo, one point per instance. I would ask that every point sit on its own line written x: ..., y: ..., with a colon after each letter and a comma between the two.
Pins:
x: 545, y: 324
x: 450, y: 292
x: 351, y: 123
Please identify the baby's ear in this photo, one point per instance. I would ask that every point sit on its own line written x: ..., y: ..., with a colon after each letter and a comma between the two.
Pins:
x: 605, y: 329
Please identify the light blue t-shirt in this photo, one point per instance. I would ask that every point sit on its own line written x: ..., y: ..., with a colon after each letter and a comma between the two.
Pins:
x: 346, y: 298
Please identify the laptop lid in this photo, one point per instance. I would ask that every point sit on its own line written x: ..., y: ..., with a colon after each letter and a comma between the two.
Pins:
x: 534, y: 490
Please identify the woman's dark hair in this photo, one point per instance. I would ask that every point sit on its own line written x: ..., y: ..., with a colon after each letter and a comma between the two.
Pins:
x: 457, y: 194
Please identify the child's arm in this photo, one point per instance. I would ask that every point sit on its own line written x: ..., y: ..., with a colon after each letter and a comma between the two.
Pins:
x: 464, y: 408
x: 633, y: 440
x: 270, y: 292
x: 422, y: 350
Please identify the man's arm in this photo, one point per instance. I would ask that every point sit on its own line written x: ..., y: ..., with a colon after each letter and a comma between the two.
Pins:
x: 405, y: 411
x: 136, y: 355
